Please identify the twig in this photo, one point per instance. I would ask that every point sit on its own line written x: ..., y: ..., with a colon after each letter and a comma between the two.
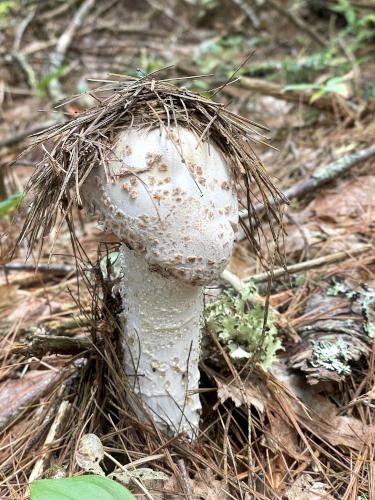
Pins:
x: 52, y: 435
x: 297, y: 21
x: 63, y: 43
x: 40, y: 345
x: 320, y: 178
x: 329, y: 173
x: 59, y: 269
x: 311, y: 264
x: 185, y: 480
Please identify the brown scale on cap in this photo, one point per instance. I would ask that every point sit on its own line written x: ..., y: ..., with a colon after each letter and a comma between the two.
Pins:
x: 153, y: 159
x: 127, y: 150
x: 225, y: 185
x: 174, y: 137
x: 163, y: 167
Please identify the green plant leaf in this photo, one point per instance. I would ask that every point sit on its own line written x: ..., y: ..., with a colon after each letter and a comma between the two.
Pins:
x: 87, y: 487
x: 10, y: 204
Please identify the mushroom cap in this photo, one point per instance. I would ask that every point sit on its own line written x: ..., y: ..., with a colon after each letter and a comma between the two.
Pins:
x: 170, y: 198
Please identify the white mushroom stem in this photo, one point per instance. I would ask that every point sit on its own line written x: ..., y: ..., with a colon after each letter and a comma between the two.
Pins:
x: 161, y: 343
x: 171, y: 200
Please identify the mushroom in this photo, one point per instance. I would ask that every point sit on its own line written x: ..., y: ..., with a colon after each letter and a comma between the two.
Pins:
x: 171, y: 201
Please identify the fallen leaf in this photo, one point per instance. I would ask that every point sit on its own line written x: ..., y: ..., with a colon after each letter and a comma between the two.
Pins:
x: 250, y: 394
x: 32, y: 308
x: 280, y: 434
x: 205, y: 487
x: 353, y: 200
x: 319, y: 415
x: 305, y: 488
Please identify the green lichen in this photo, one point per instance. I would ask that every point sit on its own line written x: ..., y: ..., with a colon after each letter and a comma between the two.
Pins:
x: 331, y: 356
x: 239, y: 326
x: 364, y: 297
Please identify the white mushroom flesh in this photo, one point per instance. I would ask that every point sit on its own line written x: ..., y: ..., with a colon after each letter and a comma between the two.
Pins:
x: 172, y: 201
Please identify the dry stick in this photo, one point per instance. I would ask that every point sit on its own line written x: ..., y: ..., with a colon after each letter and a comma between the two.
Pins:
x: 63, y: 43
x: 297, y: 21
x: 320, y: 178
x: 311, y: 264
x: 58, y: 269
x: 185, y: 479
x: 52, y: 435
x: 40, y: 345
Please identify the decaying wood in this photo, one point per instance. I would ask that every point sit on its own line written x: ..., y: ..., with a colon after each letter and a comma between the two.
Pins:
x: 40, y: 345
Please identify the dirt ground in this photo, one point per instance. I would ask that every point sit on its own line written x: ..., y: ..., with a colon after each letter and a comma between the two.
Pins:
x: 299, y: 426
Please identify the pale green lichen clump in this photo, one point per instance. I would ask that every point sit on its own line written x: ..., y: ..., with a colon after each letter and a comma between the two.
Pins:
x: 239, y: 325
x: 332, y: 356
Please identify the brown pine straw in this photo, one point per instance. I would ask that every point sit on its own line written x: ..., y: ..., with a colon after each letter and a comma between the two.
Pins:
x: 236, y: 446
x: 87, y: 141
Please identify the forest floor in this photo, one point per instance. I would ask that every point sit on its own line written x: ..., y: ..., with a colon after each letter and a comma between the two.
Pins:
x: 298, y: 427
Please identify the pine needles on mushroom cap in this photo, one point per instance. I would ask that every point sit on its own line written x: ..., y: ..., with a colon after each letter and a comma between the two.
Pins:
x: 86, y: 141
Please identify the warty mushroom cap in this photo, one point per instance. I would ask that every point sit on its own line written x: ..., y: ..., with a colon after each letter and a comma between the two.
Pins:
x: 169, y: 198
